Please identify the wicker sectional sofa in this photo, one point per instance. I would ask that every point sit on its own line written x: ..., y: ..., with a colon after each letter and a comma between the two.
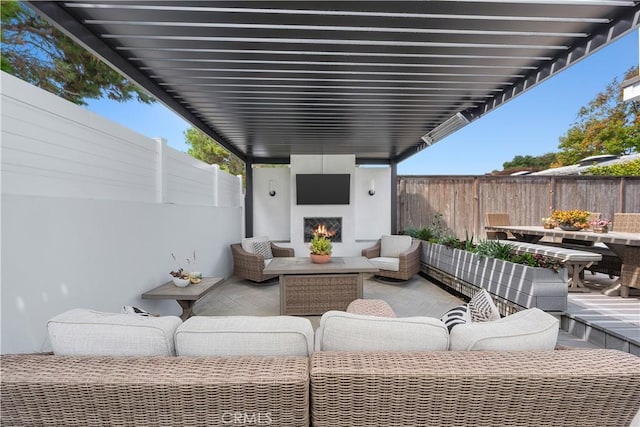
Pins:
x: 283, y: 378
x: 553, y: 388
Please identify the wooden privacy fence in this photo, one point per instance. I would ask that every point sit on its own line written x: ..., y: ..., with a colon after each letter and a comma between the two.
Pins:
x: 463, y: 201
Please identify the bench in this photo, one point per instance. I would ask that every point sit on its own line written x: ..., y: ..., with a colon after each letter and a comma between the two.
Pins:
x: 575, y: 260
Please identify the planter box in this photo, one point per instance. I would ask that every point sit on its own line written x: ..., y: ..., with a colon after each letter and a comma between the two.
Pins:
x: 522, y: 285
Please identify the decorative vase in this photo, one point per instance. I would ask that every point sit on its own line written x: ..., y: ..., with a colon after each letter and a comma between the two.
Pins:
x: 320, y: 259
x: 601, y: 229
x: 569, y: 227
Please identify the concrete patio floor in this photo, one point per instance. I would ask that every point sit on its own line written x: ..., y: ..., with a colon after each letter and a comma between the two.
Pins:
x: 417, y: 297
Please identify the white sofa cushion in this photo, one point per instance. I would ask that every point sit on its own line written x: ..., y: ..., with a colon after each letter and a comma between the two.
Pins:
x: 341, y: 331
x: 81, y: 332
x: 245, y: 336
x: 247, y: 243
x: 386, y: 263
x: 530, y: 329
x: 393, y: 246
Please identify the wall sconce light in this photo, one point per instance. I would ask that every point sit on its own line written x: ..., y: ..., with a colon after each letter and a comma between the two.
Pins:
x: 272, y: 191
x: 372, y: 188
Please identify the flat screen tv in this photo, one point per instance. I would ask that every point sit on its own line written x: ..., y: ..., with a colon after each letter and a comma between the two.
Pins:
x: 322, y: 189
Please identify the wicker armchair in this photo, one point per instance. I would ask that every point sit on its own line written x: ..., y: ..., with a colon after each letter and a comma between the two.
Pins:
x: 250, y: 266
x: 409, y: 261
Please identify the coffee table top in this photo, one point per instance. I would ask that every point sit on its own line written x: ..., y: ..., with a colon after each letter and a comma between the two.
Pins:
x: 287, y: 265
x: 190, y: 292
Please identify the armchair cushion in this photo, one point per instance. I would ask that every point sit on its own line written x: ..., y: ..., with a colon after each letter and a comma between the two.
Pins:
x: 247, y: 243
x: 386, y: 263
x: 393, y: 246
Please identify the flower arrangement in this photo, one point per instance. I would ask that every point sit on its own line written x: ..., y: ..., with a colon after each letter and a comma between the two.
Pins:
x: 575, y: 218
x: 180, y: 273
x: 600, y: 223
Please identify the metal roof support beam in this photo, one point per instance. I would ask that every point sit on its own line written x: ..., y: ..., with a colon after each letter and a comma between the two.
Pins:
x: 58, y: 16
x: 394, y: 197
x: 248, y: 198
x: 616, y: 29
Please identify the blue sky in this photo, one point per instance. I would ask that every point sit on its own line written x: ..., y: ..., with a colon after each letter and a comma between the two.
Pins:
x: 530, y: 124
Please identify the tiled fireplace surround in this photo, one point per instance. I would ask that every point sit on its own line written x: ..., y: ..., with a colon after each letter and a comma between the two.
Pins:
x: 330, y: 227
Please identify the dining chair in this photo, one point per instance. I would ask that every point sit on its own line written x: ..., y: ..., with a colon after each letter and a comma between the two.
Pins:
x: 497, y: 218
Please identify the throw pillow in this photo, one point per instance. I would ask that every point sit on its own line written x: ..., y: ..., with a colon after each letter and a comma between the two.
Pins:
x: 129, y: 309
x: 263, y: 248
x: 482, y: 307
x: 247, y: 243
x: 456, y: 316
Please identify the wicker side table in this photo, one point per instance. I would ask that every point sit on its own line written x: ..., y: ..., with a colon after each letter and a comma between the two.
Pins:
x: 371, y: 307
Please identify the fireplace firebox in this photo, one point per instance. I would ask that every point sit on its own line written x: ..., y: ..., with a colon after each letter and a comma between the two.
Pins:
x: 329, y: 227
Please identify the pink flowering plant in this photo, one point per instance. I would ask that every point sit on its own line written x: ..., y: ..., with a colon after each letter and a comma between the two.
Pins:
x: 600, y: 223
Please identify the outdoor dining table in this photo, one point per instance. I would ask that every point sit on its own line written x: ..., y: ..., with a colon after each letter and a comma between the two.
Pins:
x: 624, y: 245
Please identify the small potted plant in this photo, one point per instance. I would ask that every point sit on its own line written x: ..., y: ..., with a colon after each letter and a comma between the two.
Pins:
x: 600, y: 225
x: 571, y: 220
x: 320, y: 249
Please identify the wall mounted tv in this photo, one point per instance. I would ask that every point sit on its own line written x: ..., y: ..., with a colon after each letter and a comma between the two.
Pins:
x: 323, y: 189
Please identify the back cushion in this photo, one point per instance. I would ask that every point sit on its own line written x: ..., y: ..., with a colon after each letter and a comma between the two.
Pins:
x: 247, y: 243
x: 530, y: 329
x: 393, y: 246
x: 245, y: 336
x: 341, y: 331
x: 81, y: 332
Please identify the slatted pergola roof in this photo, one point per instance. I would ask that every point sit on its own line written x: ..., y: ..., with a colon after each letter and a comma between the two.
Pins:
x: 378, y: 79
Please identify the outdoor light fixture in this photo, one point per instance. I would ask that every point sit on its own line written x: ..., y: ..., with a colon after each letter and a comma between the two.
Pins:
x: 272, y: 190
x: 447, y: 127
x: 372, y: 188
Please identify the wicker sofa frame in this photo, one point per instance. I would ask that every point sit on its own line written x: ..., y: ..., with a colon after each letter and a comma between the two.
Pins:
x: 46, y: 390
x: 250, y: 266
x: 409, y: 261
x: 544, y: 388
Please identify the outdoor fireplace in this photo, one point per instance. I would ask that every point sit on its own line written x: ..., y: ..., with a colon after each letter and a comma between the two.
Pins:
x: 328, y: 227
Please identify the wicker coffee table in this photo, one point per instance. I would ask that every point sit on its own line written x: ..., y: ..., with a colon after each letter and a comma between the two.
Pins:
x: 312, y: 289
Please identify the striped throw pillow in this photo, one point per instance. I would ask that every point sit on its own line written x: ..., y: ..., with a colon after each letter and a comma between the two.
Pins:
x: 482, y: 307
x: 263, y: 248
x: 456, y: 316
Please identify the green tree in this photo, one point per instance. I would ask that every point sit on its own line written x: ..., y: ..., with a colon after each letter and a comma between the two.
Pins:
x: 607, y: 125
x: 36, y: 52
x: 631, y: 168
x: 202, y: 147
x: 531, y: 162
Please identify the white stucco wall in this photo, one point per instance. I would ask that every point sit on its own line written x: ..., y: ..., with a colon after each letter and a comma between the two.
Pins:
x: 91, y: 212
x: 364, y: 219
x: 272, y: 214
x: 63, y: 253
